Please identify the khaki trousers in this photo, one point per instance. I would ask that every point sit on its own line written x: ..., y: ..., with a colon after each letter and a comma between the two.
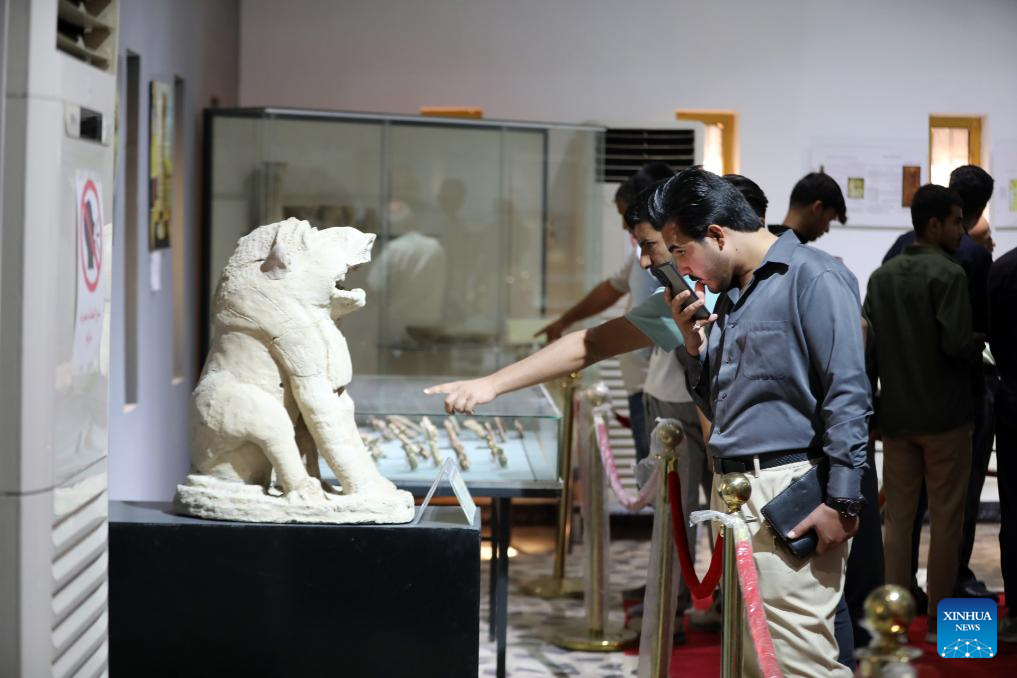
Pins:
x: 944, y: 461
x: 800, y: 597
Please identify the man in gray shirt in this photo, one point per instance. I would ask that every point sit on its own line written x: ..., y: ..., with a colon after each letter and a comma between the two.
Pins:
x: 782, y: 376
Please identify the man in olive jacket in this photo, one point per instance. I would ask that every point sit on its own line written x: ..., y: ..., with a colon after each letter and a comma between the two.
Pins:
x: 922, y: 342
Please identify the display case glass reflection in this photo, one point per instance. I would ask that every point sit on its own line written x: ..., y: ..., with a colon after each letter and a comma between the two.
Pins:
x: 483, y: 227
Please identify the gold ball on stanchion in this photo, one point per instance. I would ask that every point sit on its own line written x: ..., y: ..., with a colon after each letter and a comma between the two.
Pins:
x: 670, y: 436
x: 889, y: 610
x: 598, y: 394
x: 734, y: 490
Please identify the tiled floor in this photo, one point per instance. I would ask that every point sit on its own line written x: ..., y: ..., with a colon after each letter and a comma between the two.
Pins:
x: 532, y: 620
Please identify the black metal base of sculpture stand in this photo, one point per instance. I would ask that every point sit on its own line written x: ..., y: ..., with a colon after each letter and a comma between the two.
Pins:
x: 191, y: 597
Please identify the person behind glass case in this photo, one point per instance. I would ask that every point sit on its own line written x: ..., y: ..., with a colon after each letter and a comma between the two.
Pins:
x: 782, y: 376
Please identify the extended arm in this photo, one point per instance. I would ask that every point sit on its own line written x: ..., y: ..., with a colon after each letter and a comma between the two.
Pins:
x: 571, y: 353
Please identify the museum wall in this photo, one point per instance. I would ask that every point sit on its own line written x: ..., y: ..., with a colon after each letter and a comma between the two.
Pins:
x: 798, y: 72
x: 193, y: 45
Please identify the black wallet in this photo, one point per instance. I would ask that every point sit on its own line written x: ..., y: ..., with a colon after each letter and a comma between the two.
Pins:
x: 793, y: 505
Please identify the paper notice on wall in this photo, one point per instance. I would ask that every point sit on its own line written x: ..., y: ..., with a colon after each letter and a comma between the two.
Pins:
x: 1003, y: 207
x: 88, y: 313
x: 878, y: 179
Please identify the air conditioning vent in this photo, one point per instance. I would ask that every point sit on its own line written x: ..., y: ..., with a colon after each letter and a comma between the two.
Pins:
x: 628, y: 149
x: 85, y: 31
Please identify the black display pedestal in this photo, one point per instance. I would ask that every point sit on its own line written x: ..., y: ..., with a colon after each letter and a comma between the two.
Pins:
x: 191, y: 597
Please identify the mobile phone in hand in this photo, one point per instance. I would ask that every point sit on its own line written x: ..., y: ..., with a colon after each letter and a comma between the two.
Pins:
x: 669, y: 277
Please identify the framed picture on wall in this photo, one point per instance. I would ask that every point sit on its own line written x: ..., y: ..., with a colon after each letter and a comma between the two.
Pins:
x: 911, y: 180
x: 160, y: 165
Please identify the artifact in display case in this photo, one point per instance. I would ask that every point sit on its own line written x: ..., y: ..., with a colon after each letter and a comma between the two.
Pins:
x: 512, y: 442
x: 272, y: 397
x: 498, y: 222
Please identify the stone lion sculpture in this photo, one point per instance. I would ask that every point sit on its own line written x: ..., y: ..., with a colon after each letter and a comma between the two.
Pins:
x: 272, y: 395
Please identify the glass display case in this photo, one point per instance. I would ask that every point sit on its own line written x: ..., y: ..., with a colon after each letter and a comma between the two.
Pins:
x: 510, y: 442
x: 483, y: 228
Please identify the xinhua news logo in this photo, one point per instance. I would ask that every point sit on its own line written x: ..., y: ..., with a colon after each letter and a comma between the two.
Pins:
x: 966, y: 628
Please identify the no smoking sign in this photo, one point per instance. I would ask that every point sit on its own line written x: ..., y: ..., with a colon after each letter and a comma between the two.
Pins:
x: 90, y: 307
x: 90, y: 234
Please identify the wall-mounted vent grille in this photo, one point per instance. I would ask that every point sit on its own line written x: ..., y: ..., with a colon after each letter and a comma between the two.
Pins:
x: 79, y: 575
x: 628, y: 149
x: 85, y: 31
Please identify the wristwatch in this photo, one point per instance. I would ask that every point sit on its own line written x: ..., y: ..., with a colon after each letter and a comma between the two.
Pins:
x: 849, y: 508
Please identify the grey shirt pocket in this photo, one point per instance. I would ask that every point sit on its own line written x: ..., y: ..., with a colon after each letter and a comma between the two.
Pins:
x: 765, y: 349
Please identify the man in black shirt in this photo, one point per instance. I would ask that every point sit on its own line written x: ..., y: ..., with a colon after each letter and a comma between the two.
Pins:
x: 974, y: 185
x: 1003, y: 340
x: 816, y: 200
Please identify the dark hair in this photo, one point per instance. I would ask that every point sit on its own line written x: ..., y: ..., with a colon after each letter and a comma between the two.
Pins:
x: 696, y: 198
x: 648, y: 175
x: 974, y: 186
x: 638, y: 210
x: 932, y: 202
x: 751, y: 191
x: 822, y: 187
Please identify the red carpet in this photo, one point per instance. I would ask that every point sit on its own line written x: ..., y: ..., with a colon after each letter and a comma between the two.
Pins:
x: 700, y: 656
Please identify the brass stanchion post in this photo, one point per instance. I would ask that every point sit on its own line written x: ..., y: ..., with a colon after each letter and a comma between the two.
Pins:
x: 734, y: 490
x: 889, y: 610
x: 670, y: 437
x: 558, y: 585
x: 594, y: 634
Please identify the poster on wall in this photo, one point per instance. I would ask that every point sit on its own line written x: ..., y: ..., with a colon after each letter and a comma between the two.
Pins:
x: 160, y: 165
x: 88, y: 311
x: 878, y: 179
x: 1003, y: 206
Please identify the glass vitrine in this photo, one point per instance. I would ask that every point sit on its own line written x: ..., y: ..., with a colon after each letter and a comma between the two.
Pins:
x: 512, y: 441
x: 483, y: 227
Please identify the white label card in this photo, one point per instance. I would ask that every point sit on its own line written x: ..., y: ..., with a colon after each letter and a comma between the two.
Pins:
x: 448, y: 469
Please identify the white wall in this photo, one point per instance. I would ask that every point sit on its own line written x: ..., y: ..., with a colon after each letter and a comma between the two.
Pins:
x: 797, y: 71
x: 150, y: 442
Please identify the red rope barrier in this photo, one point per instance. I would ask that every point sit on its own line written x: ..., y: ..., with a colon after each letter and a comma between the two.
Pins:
x: 603, y: 442
x: 748, y: 581
x: 699, y: 589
